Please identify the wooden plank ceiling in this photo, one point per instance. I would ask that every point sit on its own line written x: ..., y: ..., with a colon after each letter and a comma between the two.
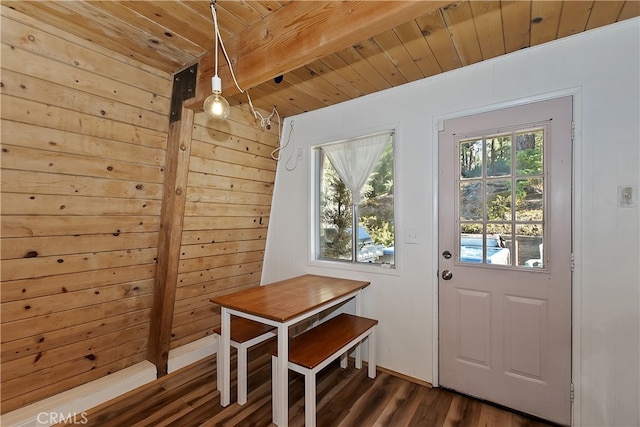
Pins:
x: 394, y: 49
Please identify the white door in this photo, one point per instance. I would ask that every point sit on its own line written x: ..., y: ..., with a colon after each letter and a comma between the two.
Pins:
x: 505, y: 257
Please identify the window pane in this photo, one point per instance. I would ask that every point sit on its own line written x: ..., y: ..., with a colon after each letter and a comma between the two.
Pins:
x: 376, y: 213
x: 530, y: 245
x: 499, y: 246
x: 499, y: 155
x: 471, y: 243
x: 471, y: 201
x: 498, y: 200
x: 529, y: 152
x: 471, y: 159
x: 529, y: 199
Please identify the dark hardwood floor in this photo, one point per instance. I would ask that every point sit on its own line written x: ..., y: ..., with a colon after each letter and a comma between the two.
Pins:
x: 188, y: 397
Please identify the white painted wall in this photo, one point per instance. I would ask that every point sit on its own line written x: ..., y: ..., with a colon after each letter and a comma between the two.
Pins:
x: 602, y: 69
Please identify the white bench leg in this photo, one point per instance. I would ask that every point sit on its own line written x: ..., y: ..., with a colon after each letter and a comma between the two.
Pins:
x: 242, y: 374
x: 218, y: 369
x: 310, y: 399
x: 310, y: 405
x: 372, y: 353
x: 344, y: 360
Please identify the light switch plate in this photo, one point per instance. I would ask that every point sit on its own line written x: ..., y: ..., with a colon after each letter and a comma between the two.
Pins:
x: 627, y: 196
x: 412, y: 236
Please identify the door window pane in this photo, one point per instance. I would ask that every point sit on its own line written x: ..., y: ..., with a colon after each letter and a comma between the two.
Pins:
x: 530, y: 199
x: 530, y: 246
x: 498, y: 155
x: 471, y: 159
x: 471, y: 248
x: 471, y: 201
x: 529, y: 150
x: 498, y: 200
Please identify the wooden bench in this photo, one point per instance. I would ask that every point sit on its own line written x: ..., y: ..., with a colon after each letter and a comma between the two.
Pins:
x: 245, y: 333
x: 317, y: 347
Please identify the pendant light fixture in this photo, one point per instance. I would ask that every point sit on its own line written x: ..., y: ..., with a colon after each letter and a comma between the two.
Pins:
x: 215, y: 105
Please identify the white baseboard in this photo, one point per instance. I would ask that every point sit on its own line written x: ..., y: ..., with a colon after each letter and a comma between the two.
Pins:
x: 191, y: 353
x: 72, y: 404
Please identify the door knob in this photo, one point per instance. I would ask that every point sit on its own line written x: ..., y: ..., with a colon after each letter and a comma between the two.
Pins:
x: 447, y: 275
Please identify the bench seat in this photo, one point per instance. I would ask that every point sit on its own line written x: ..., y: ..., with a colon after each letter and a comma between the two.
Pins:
x: 317, y: 347
x: 245, y: 334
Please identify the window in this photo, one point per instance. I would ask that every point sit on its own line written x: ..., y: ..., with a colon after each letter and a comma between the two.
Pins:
x: 502, y: 198
x: 355, y: 192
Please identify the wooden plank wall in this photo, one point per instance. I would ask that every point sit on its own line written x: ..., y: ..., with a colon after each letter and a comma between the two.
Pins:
x: 230, y: 184
x: 84, y: 136
x: 83, y: 149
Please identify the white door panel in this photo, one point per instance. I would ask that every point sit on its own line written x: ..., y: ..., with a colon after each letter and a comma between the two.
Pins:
x: 505, y: 257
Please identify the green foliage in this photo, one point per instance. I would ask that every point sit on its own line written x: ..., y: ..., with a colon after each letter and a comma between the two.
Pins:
x: 471, y: 228
x: 529, y: 162
x: 336, y: 214
x: 500, y: 207
x: 499, y: 167
x: 384, y: 234
x: 474, y: 172
x: 377, y: 219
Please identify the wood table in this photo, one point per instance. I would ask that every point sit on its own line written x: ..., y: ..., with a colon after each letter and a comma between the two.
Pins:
x: 281, y: 304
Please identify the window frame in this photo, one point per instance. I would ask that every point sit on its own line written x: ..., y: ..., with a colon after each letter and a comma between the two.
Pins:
x: 315, y: 217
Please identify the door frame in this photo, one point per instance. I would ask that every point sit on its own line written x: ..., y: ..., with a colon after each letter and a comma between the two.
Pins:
x: 576, y: 224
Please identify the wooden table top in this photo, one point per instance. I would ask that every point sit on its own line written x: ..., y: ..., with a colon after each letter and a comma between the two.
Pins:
x: 284, y: 300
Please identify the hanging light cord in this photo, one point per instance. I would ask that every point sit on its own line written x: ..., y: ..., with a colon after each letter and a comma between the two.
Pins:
x: 293, y: 153
x: 215, y: 35
x: 265, y: 122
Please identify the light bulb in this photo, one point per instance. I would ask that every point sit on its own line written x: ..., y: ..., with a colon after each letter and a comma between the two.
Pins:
x: 215, y: 105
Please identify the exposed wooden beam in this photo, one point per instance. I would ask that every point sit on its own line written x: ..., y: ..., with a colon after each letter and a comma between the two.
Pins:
x: 171, y: 222
x: 298, y: 34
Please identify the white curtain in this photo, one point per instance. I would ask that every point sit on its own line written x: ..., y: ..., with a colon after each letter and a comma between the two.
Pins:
x: 355, y: 159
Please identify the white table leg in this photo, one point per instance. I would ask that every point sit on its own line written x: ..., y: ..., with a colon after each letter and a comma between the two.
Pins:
x: 310, y: 399
x: 282, y: 385
x: 224, y: 357
x: 372, y: 353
